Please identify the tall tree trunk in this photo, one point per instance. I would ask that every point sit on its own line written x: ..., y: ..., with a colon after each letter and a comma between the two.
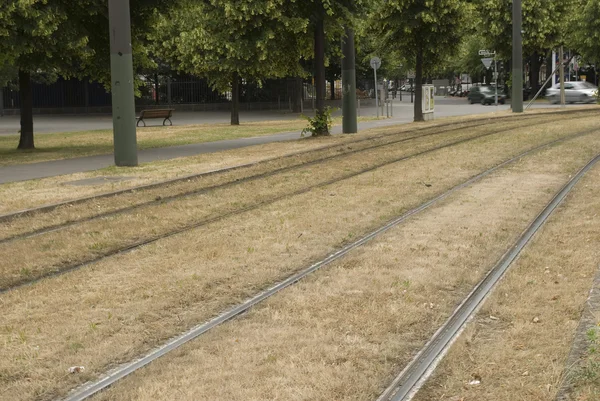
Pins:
x: 320, y: 65
x: 332, y: 87
x: 26, y: 140
x: 235, y: 99
x: 419, y: 86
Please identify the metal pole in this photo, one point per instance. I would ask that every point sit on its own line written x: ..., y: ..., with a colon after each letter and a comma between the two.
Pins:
x: 376, y: 94
x: 1, y: 101
x: 517, y: 58
x: 496, y: 77
x: 349, y: 114
x: 542, y: 88
x: 561, y: 73
x: 553, y: 67
x: 121, y: 67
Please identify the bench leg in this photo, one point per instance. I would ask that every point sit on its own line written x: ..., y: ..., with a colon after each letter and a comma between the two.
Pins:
x: 169, y: 120
x: 140, y: 121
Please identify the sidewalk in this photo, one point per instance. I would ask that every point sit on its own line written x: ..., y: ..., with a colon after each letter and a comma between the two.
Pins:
x: 82, y: 164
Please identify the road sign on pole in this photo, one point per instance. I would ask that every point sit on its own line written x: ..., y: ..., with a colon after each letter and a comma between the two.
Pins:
x: 487, y: 62
x: 489, y: 58
x: 375, y: 64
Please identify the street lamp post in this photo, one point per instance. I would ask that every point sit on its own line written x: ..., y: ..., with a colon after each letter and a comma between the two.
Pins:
x: 517, y: 58
x: 121, y: 69
x: 349, y: 119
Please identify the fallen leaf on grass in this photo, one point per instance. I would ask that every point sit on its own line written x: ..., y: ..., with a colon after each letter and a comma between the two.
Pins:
x: 76, y: 369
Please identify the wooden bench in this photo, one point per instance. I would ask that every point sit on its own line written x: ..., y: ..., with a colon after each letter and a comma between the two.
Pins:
x: 155, y: 113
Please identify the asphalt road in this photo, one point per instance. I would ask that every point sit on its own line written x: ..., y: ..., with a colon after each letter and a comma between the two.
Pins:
x: 403, y: 112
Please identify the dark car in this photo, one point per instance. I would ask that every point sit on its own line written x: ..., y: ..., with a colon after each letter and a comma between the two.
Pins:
x: 485, y: 95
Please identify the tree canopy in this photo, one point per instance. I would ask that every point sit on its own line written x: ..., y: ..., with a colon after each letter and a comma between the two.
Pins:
x: 585, y: 37
x: 227, y: 40
x: 426, y: 31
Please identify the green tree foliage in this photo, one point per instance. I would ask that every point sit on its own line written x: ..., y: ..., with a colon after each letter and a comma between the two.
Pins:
x: 426, y: 31
x: 585, y: 37
x: 48, y: 38
x: 230, y: 40
x: 326, y: 20
x: 469, y: 58
x: 144, y: 19
x: 545, y: 23
x: 41, y: 35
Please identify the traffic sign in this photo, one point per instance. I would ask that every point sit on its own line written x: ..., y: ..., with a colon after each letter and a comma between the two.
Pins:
x: 411, y: 75
x: 375, y: 63
x: 485, y: 52
x: 487, y: 62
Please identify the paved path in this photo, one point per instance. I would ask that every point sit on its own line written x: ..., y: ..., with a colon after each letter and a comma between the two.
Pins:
x: 60, y: 167
x: 10, y: 125
x: 403, y: 113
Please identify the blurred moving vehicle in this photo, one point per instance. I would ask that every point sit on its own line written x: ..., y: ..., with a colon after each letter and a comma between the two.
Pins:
x: 485, y: 95
x: 578, y: 91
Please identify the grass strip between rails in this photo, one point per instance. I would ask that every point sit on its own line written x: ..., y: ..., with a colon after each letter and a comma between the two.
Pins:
x: 344, y: 332
x: 518, y: 343
x: 56, y: 251
x: 190, y: 164
x: 54, y: 189
x: 28, y: 222
x: 119, y: 308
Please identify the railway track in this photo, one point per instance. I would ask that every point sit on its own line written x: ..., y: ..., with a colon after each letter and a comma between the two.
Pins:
x: 407, y: 383
x: 63, y: 268
x: 50, y: 207
x: 193, y: 192
x: 112, y: 377
x: 456, y: 126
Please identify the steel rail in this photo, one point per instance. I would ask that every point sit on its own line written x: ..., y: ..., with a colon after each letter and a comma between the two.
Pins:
x: 409, y: 381
x: 87, y: 390
x: 50, y: 207
x: 167, y: 199
x: 61, y: 269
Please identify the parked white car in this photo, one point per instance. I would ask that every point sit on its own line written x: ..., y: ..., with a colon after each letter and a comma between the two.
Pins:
x: 579, y: 91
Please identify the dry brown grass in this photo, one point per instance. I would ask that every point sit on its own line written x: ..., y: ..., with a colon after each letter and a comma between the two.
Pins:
x: 20, y: 195
x: 37, y: 256
x: 516, y: 358
x: 91, y: 208
x: 66, y: 145
x: 114, y: 310
x: 344, y: 332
